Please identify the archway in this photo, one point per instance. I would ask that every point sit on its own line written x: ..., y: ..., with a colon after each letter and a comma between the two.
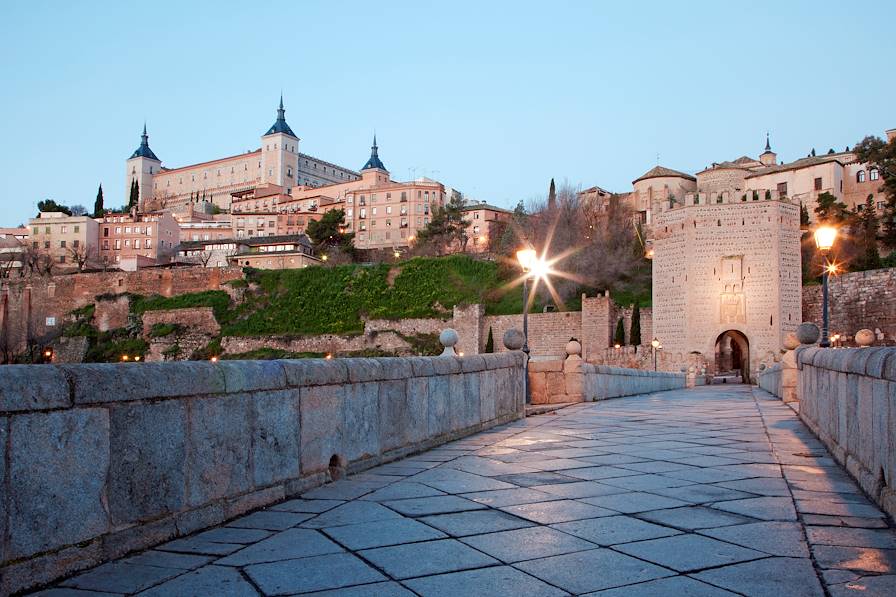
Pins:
x: 732, y: 353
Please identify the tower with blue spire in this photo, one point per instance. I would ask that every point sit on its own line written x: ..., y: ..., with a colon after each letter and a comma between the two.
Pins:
x: 374, y: 161
x: 142, y: 166
x: 374, y: 171
x: 280, y: 152
x: 768, y: 157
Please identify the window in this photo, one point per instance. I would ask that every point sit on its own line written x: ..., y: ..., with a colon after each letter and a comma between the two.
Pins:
x: 77, y: 229
x: 76, y: 243
x: 127, y: 242
x: 404, y: 196
x: 46, y: 244
x: 388, y: 209
x: 475, y: 229
x: 782, y: 189
x: 62, y: 244
x: 105, y: 245
x: 476, y: 215
x: 874, y: 174
x: 117, y: 244
x: 818, y: 184
x: 137, y: 243
x: 34, y: 245
x: 47, y: 230
x: 860, y: 176
x: 64, y: 229
x: 62, y: 259
x: 118, y: 230
x: 106, y: 231
x: 372, y: 210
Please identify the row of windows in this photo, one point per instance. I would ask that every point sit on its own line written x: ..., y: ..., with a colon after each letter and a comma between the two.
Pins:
x: 62, y: 244
x: 128, y: 243
x: 379, y: 236
x: 404, y: 197
x: 147, y: 230
x: 62, y: 230
x: 403, y: 223
x: 873, y: 174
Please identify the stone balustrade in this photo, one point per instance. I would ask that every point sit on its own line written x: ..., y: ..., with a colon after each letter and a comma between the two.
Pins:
x: 848, y: 398
x: 602, y: 381
x: 100, y: 460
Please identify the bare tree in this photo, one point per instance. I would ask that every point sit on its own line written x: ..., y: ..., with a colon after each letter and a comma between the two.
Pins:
x: 81, y: 255
x: 36, y: 261
x: 78, y: 210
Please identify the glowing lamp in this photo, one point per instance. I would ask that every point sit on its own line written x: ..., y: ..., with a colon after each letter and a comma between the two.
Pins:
x: 825, y: 237
x: 527, y: 259
x: 124, y: 357
x: 655, y: 343
x: 214, y: 359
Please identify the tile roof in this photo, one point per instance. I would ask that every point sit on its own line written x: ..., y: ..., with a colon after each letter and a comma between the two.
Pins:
x: 662, y: 171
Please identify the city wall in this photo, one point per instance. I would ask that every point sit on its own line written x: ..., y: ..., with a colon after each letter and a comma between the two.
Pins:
x: 103, y: 459
x: 34, y: 307
x: 857, y: 300
x: 848, y: 398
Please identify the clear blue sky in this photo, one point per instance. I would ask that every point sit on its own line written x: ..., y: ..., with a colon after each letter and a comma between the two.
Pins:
x: 493, y: 98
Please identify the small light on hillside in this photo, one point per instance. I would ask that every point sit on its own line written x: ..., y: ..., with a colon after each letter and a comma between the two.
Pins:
x: 124, y: 357
x: 214, y: 359
x: 137, y: 358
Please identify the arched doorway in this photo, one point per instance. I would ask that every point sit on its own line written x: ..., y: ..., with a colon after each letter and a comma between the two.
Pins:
x: 733, y: 355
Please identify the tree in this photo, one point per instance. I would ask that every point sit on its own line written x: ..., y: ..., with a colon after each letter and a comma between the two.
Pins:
x: 619, y: 336
x: 50, y: 205
x: 446, y: 231
x: 635, y: 333
x: 328, y: 233
x: 490, y: 342
x: 882, y: 155
x: 134, y: 197
x: 552, y: 195
x: 868, y: 227
x: 831, y: 211
x: 98, y: 204
x: 804, y: 215
x: 80, y: 255
x: 78, y: 210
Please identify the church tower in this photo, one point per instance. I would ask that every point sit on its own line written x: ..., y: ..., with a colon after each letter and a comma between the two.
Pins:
x: 768, y: 157
x: 374, y: 171
x: 141, y: 166
x: 280, y: 153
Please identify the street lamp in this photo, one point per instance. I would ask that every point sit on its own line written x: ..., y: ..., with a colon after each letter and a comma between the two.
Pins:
x: 824, y: 240
x: 528, y: 259
x: 655, y: 344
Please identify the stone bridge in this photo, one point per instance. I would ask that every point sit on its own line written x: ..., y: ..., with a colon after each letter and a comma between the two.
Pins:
x: 227, y: 479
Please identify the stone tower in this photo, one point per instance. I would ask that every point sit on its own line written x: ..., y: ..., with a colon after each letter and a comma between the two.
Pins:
x: 726, y: 281
x: 280, y: 152
x: 374, y: 171
x: 768, y: 157
x: 141, y: 166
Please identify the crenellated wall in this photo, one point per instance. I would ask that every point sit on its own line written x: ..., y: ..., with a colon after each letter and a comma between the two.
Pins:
x: 99, y: 460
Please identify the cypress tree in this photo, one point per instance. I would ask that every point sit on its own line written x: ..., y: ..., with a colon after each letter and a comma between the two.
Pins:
x: 135, y: 194
x: 490, y: 343
x: 870, y: 226
x: 552, y: 195
x: 634, y: 336
x: 98, y: 204
x: 619, y: 336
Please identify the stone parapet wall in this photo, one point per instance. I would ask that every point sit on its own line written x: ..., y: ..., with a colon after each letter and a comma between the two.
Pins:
x: 602, y: 382
x: 770, y: 380
x: 103, y: 459
x: 857, y: 300
x: 548, y: 332
x: 848, y: 399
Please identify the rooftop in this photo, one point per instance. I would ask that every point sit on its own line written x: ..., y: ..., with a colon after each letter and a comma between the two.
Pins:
x: 662, y: 172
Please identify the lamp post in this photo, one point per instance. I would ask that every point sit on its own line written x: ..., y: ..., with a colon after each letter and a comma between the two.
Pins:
x: 824, y: 240
x: 655, y: 344
x: 527, y: 259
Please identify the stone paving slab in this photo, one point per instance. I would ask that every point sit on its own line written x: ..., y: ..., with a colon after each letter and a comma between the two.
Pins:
x: 694, y: 493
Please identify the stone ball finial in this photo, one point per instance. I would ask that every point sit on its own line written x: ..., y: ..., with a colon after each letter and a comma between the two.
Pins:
x: 573, y: 347
x: 448, y: 338
x: 513, y: 339
x: 808, y: 333
x: 762, y: 367
x: 865, y: 337
x: 791, y: 341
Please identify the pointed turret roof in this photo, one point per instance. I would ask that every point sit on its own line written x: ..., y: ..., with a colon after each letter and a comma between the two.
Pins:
x: 768, y: 145
x: 662, y: 171
x: 144, y: 151
x: 374, y: 161
x: 280, y: 125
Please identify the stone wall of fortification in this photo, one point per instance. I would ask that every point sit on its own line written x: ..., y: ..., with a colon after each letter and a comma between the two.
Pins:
x: 35, y: 307
x: 857, y: 300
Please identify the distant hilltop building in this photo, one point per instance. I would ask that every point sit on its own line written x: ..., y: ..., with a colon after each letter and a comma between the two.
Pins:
x: 278, y: 161
x: 801, y: 181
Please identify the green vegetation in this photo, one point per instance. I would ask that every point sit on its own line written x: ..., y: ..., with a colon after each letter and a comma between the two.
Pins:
x: 634, y: 334
x: 109, y: 347
x: 619, y: 336
x: 490, y: 342
x: 212, y: 349
x: 218, y: 300
x: 159, y: 330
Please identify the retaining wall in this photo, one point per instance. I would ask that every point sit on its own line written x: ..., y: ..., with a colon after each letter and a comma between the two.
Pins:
x: 100, y: 460
x: 602, y: 381
x: 848, y: 398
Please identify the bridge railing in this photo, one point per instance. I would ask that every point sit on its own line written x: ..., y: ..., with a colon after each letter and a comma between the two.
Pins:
x: 102, y: 459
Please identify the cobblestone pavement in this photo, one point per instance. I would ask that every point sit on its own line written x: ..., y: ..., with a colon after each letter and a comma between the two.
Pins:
x: 683, y: 493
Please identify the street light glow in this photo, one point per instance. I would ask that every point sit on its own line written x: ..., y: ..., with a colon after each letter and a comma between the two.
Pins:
x: 527, y: 258
x: 655, y: 343
x: 825, y: 237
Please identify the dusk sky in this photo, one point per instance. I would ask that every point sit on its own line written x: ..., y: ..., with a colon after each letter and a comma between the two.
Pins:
x: 491, y: 98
